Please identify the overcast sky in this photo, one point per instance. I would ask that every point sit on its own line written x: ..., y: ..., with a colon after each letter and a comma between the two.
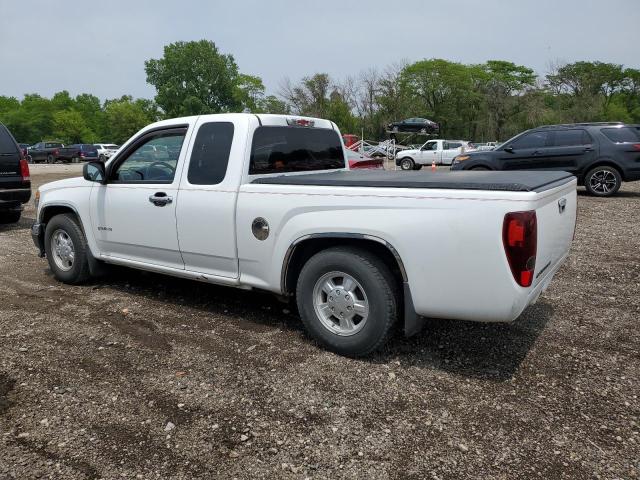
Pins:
x: 100, y: 47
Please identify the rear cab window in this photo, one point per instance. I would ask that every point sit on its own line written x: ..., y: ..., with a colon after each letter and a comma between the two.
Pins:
x: 622, y: 134
x: 284, y: 149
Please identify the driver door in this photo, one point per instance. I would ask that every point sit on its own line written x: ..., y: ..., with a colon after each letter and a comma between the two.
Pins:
x: 134, y: 214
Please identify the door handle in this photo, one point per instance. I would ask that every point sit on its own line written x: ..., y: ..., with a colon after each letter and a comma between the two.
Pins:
x: 160, y: 199
x: 588, y: 149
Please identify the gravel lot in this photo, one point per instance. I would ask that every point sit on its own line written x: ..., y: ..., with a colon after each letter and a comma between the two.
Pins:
x: 144, y: 376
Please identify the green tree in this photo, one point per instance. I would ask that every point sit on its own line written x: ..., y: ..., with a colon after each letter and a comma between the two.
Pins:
x: 70, y: 127
x: 123, y: 118
x: 194, y: 78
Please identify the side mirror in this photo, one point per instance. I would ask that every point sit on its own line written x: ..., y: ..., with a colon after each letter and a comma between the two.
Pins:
x: 94, y: 172
x: 508, y: 149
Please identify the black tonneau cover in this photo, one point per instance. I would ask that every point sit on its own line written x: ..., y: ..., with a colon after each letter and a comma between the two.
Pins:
x: 516, y: 181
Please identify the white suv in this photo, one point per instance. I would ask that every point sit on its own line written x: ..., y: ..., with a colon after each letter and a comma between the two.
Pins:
x: 106, y: 150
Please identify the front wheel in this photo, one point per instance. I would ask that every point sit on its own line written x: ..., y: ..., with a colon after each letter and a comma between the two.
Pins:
x: 66, y: 249
x: 407, y: 164
x: 348, y: 300
x: 603, y: 181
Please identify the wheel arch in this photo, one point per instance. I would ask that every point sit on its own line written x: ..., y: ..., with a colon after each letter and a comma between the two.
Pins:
x: 603, y: 162
x: 47, y: 212
x: 305, y: 247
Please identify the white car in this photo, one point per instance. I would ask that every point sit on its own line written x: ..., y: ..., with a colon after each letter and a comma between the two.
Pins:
x: 442, y: 152
x: 267, y: 202
x: 106, y: 150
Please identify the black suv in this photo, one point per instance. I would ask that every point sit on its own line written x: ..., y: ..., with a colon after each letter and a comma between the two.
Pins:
x: 601, y: 155
x: 15, y: 183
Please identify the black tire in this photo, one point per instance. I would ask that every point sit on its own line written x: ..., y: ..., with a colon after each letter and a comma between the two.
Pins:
x: 407, y: 163
x: 10, y: 217
x: 79, y: 270
x: 51, y: 159
x: 603, y: 181
x: 377, y: 281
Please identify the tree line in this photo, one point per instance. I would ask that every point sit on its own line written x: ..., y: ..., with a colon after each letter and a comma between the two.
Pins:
x: 480, y: 102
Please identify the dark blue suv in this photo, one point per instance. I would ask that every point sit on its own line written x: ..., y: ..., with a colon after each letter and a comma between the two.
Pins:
x: 601, y: 155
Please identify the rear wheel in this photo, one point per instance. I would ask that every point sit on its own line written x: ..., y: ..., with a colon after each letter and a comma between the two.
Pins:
x: 603, y: 181
x: 348, y: 300
x: 407, y: 163
x: 50, y: 159
x: 66, y: 249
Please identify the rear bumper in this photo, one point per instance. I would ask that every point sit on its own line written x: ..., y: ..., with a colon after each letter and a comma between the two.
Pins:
x: 11, y: 199
x: 37, y: 235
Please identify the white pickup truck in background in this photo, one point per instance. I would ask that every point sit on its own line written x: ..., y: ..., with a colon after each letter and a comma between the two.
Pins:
x: 267, y: 202
x: 440, y: 152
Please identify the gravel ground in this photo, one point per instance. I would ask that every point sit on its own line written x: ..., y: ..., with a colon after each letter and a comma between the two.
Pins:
x: 144, y: 376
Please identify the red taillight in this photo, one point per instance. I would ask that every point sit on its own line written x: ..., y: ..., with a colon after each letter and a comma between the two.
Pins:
x: 24, y: 170
x: 56, y: 152
x: 636, y: 146
x: 520, y: 239
x: 81, y: 154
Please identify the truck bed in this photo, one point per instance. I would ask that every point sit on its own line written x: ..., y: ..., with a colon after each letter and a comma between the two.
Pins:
x: 516, y: 181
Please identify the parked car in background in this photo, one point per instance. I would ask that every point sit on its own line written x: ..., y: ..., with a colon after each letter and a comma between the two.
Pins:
x: 602, y: 155
x: 15, y: 181
x: 45, y: 152
x: 106, y: 150
x: 486, y: 145
x: 24, y: 148
x: 416, y: 125
x: 359, y: 161
x: 441, y: 152
x: 267, y: 202
x: 78, y: 152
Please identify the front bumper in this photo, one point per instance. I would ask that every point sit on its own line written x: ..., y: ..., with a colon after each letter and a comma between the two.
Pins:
x: 37, y: 235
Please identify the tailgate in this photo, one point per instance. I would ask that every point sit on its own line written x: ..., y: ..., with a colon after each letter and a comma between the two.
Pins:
x: 556, y: 216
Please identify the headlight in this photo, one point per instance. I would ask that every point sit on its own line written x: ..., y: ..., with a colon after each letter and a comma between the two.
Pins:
x: 36, y: 199
x: 461, y: 158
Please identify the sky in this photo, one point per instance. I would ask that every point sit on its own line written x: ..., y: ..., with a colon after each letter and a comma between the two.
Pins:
x: 100, y: 47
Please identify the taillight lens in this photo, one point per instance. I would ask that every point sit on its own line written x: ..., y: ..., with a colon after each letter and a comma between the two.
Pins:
x: 24, y: 170
x: 636, y: 146
x: 520, y: 239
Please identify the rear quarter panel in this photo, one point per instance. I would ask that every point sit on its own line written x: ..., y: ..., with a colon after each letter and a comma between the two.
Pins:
x: 450, y: 241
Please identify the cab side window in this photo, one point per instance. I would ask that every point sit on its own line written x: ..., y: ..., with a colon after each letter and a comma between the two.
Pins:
x: 153, y: 159
x: 210, y: 154
x: 531, y: 140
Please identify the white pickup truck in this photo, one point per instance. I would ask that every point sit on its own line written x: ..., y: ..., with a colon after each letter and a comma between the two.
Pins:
x: 267, y: 202
x: 440, y: 152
